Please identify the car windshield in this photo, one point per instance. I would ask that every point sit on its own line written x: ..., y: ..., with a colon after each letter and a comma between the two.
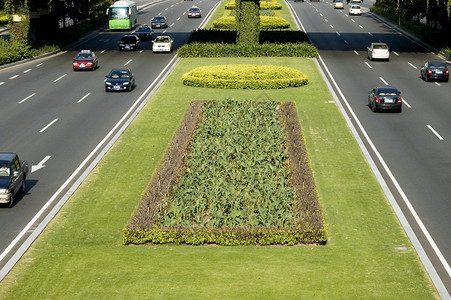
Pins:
x: 119, y: 75
x: 437, y: 65
x: 5, y: 169
x: 83, y: 56
x: 387, y: 92
x: 162, y: 39
x: 355, y: 7
x: 142, y: 29
x: 380, y: 46
x: 129, y: 39
x: 158, y: 19
x: 193, y: 9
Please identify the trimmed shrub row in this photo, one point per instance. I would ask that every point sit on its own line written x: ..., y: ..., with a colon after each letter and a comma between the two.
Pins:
x: 11, y: 51
x: 239, y: 50
x: 272, y: 5
x: 245, y: 77
x: 228, y: 36
x: 266, y: 22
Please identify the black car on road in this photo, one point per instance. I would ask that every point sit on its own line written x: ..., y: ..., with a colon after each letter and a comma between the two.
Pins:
x: 119, y: 80
x: 129, y: 42
x: 385, y: 98
x: 434, y: 70
x: 159, y: 22
x: 144, y: 32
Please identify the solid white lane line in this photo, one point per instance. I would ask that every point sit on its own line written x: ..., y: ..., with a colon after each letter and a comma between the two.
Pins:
x: 62, y: 76
x: 434, y: 132
x: 406, y: 103
x: 382, y: 79
x: 357, y: 53
x: 128, y: 62
x: 50, y: 124
x: 369, y: 66
x: 23, y: 100
x: 412, y: 66
x: 26, y: 71
x: 14, y: 77
x: 84, y: 97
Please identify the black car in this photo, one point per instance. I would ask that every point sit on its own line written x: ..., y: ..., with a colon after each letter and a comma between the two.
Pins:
x: 144, y: 32
x: 119, y: 80
x: 433, y: 70
x: 129, y: 42
x: 159, y: 22
x: 385, y: 98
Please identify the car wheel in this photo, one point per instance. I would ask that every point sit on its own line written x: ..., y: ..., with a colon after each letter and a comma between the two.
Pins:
x: 23, y: 189
x: 373, y: 107
x: 106, y: 90
x: 11, y: 200
x: 400, y: 110
x: 426, y: 78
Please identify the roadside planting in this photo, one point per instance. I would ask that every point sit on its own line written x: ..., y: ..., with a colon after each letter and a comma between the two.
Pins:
x: 234, y: 184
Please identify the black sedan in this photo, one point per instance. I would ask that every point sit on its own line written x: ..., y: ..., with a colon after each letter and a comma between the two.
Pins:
x: 433, y: 70
x: 159, y: 22
x: 144, y: 32
x: 385, y: 98
x: 119, y: 80
x: 129, y: 42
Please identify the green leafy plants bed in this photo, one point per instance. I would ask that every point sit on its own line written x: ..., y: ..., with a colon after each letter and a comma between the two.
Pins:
x: 236, y: 184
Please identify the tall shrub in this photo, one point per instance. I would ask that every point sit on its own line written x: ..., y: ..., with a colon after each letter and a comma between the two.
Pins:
x: 18, y: 30
x: 248, y: 21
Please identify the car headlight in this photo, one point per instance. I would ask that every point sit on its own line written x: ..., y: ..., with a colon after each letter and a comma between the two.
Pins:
x: 4, y: 191
x: 107, y: 83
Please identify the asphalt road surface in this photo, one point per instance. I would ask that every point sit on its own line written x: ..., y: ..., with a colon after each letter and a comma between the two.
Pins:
x: 56, y: 118
x: 414, y: 144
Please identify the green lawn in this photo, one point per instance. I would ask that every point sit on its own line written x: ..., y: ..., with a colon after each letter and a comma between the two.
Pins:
x: 80, y: 254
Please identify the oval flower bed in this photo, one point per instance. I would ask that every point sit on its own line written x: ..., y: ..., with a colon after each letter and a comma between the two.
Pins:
x: 245, y: 77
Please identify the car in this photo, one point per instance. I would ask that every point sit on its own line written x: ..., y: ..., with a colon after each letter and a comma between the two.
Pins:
x: 434, y: 70
x: 13, y: 177
x: 85, y: 60
x: 129, y: 42
x: 385, y: 98
x: 339, y: 4
x: 314, y: 0
x: 298, y: 0
x: 378, y: 51
x: 120, y: 80
x: 159, y: 22
x: 162, y: 43
x: 194, y: 12
x: 356, y: 1
x: 145, y: 32
x: 355, y: 10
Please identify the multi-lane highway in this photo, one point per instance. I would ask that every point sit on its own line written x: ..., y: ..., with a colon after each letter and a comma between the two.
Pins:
x: 411, y: 149
x: 60, y: 120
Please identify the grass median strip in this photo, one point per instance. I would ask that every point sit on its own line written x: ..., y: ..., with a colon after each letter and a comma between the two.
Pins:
x: 81, y: 255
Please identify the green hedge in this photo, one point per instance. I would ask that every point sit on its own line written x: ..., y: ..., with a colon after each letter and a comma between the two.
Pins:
x: 245, y: 77
x: 13, y: 51
x: 234, y: 50
x: 226, y: 237
x: 229, y: 36
x: 264, y: 5
x: 266, y: 22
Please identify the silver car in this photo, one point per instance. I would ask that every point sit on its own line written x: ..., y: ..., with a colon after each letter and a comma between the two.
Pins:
x: 378, y: 51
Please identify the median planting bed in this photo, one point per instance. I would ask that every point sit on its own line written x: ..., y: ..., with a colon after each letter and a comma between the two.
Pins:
x: 240, y: 182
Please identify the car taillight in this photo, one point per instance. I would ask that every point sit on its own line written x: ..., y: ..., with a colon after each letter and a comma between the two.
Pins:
x: 429, y: 71
x: 399, y: 99
x: 446, y: 72
x: 377, y: 99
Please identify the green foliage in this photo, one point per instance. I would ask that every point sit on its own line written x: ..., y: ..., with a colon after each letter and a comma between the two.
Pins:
x: 266, y: 36
x: 245, y: 77
x: 234, y: 50
x: 247, y: 22
x: 11, y: 51
x: 266, y: 22
x: 446, y: 51
x: 273, y: 5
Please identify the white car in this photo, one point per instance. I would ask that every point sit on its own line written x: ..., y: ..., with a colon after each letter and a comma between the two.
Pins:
x: 355, y: 10
x: 162, y: 43
x: 378, y: 51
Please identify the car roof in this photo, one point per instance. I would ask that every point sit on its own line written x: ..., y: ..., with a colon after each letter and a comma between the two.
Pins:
x: 6, y: 156
x: 120, y: 70
x: 386, y: 89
